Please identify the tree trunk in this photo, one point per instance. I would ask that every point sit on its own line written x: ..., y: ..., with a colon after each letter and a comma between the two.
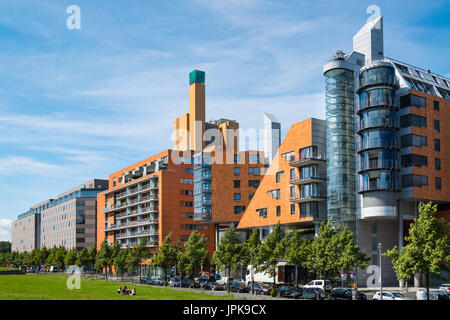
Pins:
x: 427, y: 282
x: 228, y: 280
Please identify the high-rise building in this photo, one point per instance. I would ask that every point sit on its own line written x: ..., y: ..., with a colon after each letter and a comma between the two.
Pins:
x: 393, y: 116
x: 149, y: 200
x: 69, y: 220
x: 272, y: 136
x: 293, y: 190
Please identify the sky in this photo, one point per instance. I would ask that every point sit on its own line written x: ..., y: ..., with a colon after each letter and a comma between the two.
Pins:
x: 77, y: 104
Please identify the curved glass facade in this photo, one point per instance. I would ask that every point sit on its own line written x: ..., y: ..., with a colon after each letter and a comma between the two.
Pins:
x: 341, y: 196
x: 378, y: 118
x: 374, y: 97
x: 377, y: 75
x: 381, y: 138
x: 378, y: 159
x: 378, y: 128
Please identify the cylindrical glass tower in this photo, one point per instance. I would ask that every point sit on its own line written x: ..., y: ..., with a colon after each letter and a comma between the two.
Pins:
x: 378, y: 130
x: 340, y: 92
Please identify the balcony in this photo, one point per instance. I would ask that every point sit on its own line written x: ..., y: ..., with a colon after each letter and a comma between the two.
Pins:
x: 306, y: 161
x: 151, y: 209
x: 130, y: 224
x: 299, y: 198
x: 306, y: 180
x: 137, y: 234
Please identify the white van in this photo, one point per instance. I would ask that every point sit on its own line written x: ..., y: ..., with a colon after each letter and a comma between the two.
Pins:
x: 318, y: 284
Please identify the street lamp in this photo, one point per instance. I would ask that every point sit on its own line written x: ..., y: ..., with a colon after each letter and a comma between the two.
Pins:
x: 251, y: 267
x: 381, y: 277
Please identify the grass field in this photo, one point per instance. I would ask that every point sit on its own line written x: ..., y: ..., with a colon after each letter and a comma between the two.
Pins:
x: 8, y: 269
x: 53, y: 287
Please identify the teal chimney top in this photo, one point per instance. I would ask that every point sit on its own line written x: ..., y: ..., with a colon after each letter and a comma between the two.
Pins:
x: 196, y: 76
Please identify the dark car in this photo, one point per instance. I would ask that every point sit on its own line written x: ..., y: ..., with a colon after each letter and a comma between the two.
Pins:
x: 189, y: 282
x: 285, y: 291
x: 346, y: 294
x: 260, y: 289
x: 175, y: 282
x: 206, y: 278
x: 313, y: 294
x: 143, y: 280
x: 156, y: 281
x: 238, y: 287
x: 214, y: 286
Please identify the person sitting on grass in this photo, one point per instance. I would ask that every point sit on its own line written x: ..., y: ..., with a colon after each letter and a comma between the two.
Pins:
x: 125, y: 290
x: 133, y: 292
x: 119, y: 291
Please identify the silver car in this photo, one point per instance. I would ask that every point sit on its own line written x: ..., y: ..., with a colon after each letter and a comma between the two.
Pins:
x: 390, y: 295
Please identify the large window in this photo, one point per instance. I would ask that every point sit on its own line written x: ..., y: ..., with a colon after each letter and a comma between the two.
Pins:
x: 376, y: 97
x: 376, y: 180
x: 309, y: 209
x: 309, y: 190
x: 254, y: 171
x: 309, y: 172
x: 237, y: 171
x: 412, y: 100
x: 253, y: 183
x: 378, y: 138
x: 378, y: 159
x: 413, y: 180
x: 413, y: 120
x: 410, y: 160
x: 262, y: 212
x: 308, y: 153
x: 378, y: 118
x: 413, y: 140
x: 377, y: 75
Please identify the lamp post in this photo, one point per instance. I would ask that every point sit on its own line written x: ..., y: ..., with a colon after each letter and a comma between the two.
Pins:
x: 251, y: 268
x: 381, y: 277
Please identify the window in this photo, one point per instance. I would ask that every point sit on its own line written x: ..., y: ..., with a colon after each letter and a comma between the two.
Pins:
x: 237, y: 197
x: 114, y: 182
x: 410, y: 160
x: 253, y: 183
x: 436, y: 105
x: 412, y: 180
x: 438, y: 183
x: 186, y: 181
x: 250, y: 196
x: 292, y: 209
x: 253, y: 171
x: 278, y: 176
x: 437, y: 145
x: 236, y: 158
x: 237, y: 171
x: 278, y: 211
x: 413, y: 120
x: 292, y: 174
x: 189, y: 204
x: 309, y: 209
x: 437, y: 163
x: 239, y: 209
x: 188, y: 170
x: 437, y: 126
x: 412, y: 140
x: 253, y: 158
x: 187, y: 215
x: 262, y: 212
x: 275, y: 194
x: 412, y: 100
x: 292, y: 190
x: 237, y: 183
x: 187, y: 192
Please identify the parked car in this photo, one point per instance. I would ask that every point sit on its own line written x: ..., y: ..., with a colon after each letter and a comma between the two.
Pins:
x: 319, y: 285
x: 239, y: 280
x: 189, y: 282
x: 347, y: 294
x: 445, y: 287
x: 313, y: 294
x: 390, y: 295
x: 175, y: 282
x: 206, y: 278
x: 53, y: 269
x: 434, y: 295
x: 260, y: 289
x: 156, y: 281
x: 213, y: 286
x: 289, y: 292
x: 238, y: 287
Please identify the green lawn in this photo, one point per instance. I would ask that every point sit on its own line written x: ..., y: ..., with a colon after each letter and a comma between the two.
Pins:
x: 8, y: 269
x: 53, y: 287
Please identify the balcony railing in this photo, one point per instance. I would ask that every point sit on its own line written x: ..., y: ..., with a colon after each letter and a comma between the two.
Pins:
x: 305, y: 180
x: 306, y: 160
x: 308, y: 197
x: 136, y: 234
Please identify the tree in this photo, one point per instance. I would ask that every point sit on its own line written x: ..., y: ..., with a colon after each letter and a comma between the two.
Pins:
x: 59, y: 257
x: 103, y: 257
x: 324, y: 253
x: 428, y: 247
x: 167, y: 255
x: 92, y: 253
x: 132, y: 260
x: 272, y: 250
x: 297, y: 250
x: 229, y: 252
x: 351, y: 257
x: 5, y: 246
x: 41, y: 256
x: 115, y: 249
x: 83, y: 259
x: 120, y: 261
x: 142, y: 254
x: 195, y: 253
x: 71, y: 257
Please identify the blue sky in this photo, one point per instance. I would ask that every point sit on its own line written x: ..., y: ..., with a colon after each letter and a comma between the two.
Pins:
x: 79, y: 104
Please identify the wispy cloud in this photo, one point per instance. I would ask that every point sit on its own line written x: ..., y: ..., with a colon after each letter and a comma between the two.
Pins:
x: 5, y: 230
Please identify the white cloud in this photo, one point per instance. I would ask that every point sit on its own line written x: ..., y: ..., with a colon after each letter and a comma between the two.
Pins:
x: 5, y: 230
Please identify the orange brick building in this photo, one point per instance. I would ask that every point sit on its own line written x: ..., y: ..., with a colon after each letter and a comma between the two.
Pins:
x: 293, y: 190
x: 150, y: 199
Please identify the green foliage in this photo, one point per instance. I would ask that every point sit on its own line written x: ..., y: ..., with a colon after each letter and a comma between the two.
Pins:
x: 229, y: 251
x: 83, y: 259
x: 167, y: 255
x: 71, y: 257
x: 5, y: 246
x: 428, y: 247
x: 195, y: 253
x: 271, y: 251
x: 103, y: 257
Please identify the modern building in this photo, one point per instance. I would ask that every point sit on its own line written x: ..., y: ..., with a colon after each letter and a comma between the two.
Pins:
x: 293, y: 190
x: 69, y: 220
x: 386, y: 120
x: 272, y: 136
x: 149, y: 200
